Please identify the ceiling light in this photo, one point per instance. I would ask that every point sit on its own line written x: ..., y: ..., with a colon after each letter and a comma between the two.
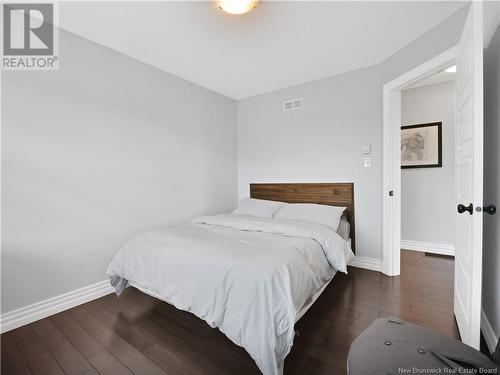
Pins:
x: 236, y: 6
x: 451, y: 69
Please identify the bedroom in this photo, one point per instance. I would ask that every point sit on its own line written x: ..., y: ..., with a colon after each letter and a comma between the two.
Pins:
x: 160, y: 112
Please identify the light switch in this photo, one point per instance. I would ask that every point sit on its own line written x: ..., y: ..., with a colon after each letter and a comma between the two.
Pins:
x: 367, y: 149
x: 367, y: 162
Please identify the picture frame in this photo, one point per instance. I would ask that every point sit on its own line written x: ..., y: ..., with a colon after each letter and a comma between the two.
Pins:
x: 422, y: 146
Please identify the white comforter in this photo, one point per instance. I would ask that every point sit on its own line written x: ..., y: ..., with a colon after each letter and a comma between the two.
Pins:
x: 245, y: 275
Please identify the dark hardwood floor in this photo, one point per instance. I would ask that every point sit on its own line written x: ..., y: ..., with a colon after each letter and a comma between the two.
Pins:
x: 141, y: 335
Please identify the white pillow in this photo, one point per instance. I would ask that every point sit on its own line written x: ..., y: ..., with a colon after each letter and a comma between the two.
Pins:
x: 312, y: 213
x: 257, y: 207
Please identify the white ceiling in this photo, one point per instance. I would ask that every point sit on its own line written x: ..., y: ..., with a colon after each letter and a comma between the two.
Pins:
x: 278, y: 44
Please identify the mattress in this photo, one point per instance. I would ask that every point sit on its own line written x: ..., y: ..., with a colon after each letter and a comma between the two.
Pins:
x: 253, y: 278
x: 301, y: 313
x: 343, y: 231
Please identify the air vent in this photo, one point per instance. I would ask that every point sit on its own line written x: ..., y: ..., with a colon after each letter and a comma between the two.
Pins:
x: 292, y: 104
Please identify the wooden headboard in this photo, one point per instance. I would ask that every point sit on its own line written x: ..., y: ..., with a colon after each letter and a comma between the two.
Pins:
x: 333, y: 194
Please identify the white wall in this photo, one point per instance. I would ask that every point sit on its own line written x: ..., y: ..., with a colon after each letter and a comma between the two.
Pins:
x: 491, y: 247
x: 322, y: 142
x: 103, y: 149
x: 427, y: 194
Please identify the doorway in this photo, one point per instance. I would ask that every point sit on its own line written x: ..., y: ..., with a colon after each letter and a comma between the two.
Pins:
x: 468, y: 191
x: 428, y: 164
x: 428, y: 208
x: 392, y: 155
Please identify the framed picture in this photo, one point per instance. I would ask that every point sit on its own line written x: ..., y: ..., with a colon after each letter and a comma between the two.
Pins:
x: 421, y: 146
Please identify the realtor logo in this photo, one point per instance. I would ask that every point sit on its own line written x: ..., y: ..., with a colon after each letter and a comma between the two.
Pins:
x: 29, y: 37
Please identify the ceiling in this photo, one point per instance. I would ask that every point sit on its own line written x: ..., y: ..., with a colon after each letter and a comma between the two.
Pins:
x: 278, y: 44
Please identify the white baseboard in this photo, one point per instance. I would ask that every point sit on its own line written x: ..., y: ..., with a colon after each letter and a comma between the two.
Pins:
x: 54, y: 305
x: 367, y: 263
x: 489, y: 334
x: 429, y: 247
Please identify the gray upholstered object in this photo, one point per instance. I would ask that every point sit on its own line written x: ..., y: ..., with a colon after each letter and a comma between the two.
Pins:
x: 392, y: 346
x: 496, y: 354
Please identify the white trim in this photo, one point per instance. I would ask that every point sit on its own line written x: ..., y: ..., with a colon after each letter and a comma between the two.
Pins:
x: 392, y: 157
x: 429, y: 247
x: 54, y: 305
x: 373, y: 264
x: 489, y: 334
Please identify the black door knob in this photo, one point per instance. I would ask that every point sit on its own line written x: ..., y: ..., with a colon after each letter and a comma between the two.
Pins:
x: 491, y: 209
x: 461, y: 208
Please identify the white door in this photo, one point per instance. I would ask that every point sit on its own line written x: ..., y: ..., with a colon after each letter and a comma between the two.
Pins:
x: 469, y: 177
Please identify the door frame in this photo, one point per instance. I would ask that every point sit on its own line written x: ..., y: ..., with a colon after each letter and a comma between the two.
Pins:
x: 392, y: 156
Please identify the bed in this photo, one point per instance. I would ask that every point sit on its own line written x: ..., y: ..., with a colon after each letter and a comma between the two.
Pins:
x: 251, y: 277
